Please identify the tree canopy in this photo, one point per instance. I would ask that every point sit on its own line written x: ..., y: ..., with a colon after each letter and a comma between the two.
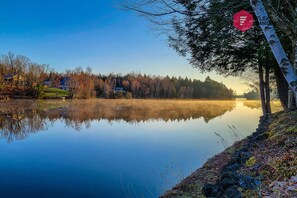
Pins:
x: 203, y: 32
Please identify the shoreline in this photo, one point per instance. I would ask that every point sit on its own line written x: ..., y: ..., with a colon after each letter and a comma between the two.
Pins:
x: 252, y: 167
x: 192, y: 185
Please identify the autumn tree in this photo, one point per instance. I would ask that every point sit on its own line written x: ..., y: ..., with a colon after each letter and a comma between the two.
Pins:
x: 35, y: 74
x: 81, y: 84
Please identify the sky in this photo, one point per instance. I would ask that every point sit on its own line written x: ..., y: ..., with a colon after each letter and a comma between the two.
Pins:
x: 65, y: 34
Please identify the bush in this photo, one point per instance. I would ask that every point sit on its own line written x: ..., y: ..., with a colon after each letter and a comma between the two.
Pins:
x: 36, y: 92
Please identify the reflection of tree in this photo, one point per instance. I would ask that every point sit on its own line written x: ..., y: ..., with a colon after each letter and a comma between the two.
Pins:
x: 139, y: 111
x: 256, y: 104
x: 18, y: 119
x: 252, y: 104
x: 16, y: 126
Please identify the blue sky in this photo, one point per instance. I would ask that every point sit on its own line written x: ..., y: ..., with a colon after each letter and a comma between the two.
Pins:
x: 95, y: 33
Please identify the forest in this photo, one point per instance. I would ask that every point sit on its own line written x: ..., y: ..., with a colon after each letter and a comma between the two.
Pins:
x: 20, y: 76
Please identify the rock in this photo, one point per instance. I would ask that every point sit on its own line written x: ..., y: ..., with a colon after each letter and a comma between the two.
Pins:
x: 243, y: 157
x: 240, y: 157
x: 210, y: 190
x: 294, y: 178
x: 232, y: 167
x: 233, y: 192
x: 229, y: 179
x: 233, y: 160
x: 247, y: 182
x: 292, y: 188
x: 261, y: 137
x: 227, y: 182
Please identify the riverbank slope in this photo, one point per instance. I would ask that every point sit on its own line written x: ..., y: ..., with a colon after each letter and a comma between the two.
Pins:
x: 263, y: 164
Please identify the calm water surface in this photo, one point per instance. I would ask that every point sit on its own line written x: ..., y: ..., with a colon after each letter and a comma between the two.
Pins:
x: 51, y: 149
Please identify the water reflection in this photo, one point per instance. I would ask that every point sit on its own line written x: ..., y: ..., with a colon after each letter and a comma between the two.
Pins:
x: 18, y: 125
x: 126, y: 148
x: 18, y: 119
x: 256, y: 104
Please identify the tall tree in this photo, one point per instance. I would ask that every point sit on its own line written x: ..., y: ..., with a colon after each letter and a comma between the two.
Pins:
x: 275, y: 44
x: 202, y: 30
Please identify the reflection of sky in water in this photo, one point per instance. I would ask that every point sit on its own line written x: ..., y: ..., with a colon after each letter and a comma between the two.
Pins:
x: 116, y: 159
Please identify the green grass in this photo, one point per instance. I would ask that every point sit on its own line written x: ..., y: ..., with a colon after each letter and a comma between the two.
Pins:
x: 55, y: 92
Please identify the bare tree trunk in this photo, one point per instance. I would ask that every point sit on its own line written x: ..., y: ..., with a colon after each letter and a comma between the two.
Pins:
x: 267, y: 89
x: 18, y: 80
x: 275, y: 45
x: 291, y: 97
x: 262, y: 90
x: 282, y: 87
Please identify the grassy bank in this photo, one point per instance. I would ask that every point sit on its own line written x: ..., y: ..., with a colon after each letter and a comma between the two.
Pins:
x: 51, y: 93
x: 27, y: 93
x: 264, y: 164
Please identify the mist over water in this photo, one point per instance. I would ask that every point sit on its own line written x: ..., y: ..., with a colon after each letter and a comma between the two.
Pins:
x: 113, y: 148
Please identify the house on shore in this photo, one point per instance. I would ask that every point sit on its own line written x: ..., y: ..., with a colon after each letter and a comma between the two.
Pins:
x: 15, y: 79
x: 64, y: 84
x: 47, y: 83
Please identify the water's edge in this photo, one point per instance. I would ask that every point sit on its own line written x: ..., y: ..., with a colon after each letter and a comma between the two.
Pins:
x: 210, y: 172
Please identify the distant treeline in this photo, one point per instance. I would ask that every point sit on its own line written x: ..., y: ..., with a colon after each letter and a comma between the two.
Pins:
x: 252, y: 95
x: 145, y: 86
x: 20, y: 73
x: 85, y: 84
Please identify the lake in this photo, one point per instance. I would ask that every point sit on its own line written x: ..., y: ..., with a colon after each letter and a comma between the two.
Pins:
x: 113, y: 148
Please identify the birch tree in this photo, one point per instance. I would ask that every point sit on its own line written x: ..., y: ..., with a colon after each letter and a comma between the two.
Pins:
x: 283, y: 13
x: 275, y: 45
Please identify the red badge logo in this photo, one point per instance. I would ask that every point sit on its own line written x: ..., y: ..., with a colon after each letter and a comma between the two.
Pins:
x: 243, y: 20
